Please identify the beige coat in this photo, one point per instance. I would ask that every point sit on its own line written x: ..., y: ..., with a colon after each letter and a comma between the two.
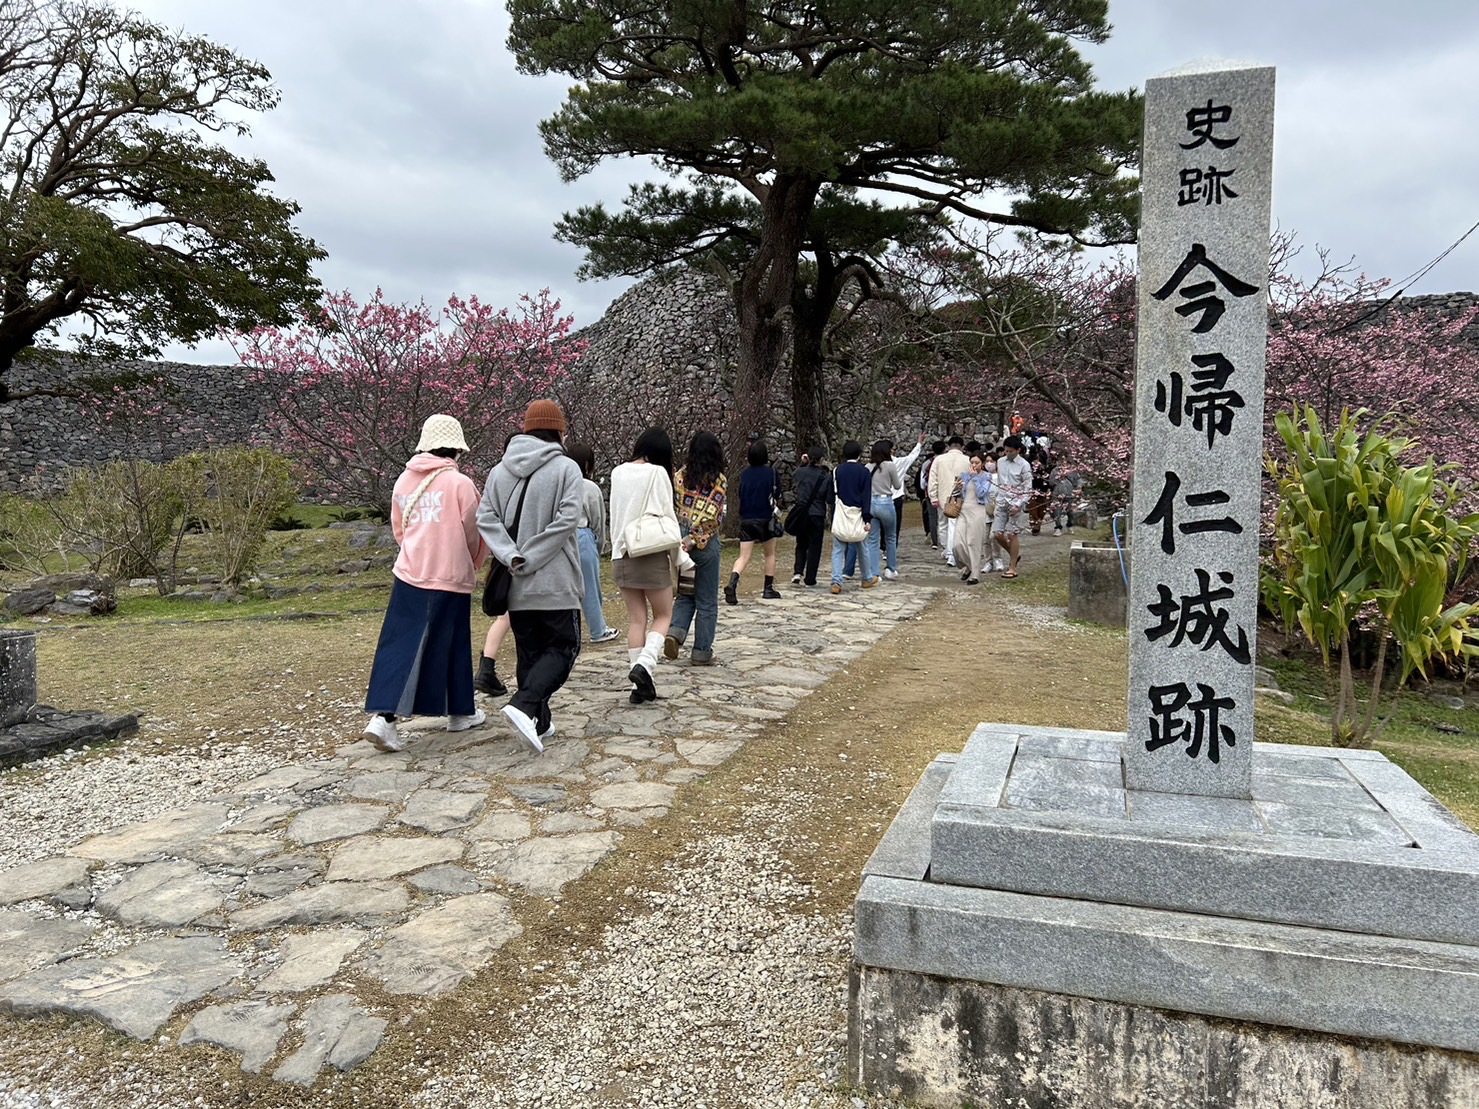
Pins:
x: 943, y: 472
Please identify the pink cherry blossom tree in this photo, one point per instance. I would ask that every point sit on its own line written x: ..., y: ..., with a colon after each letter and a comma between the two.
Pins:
x: 1022, y: 327
x: 352, y: 384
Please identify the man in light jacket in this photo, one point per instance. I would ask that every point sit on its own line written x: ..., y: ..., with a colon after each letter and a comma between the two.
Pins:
x: 537, y: 484
x: 943, y: 473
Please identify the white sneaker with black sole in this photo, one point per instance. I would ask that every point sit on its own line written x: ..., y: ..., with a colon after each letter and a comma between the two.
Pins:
x: 523, y: 727
x: 462, y: 723
x: 605, y: 637
x: 382, y: 734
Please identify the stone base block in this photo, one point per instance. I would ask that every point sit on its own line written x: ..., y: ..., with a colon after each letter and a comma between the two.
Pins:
x: 940, y: 1041
x: 1032, y: 933
x: 47, y: 731
x: 1097, y: 591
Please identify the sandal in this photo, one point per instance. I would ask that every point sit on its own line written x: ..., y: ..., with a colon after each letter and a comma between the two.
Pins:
x: 1010, y: 574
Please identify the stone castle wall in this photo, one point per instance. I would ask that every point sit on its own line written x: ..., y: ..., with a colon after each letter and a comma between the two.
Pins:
x: 662, y: 354
x: 43, y: 437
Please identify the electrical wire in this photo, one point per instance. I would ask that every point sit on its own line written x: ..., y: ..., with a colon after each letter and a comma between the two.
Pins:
x: 1403, y: 285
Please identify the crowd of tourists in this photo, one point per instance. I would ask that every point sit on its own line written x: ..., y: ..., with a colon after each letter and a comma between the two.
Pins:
x: 541, y: 523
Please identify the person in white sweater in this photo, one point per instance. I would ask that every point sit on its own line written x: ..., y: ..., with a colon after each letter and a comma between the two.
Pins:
x: 901, y: 470
x: 645, y: 484
x: 946, y: 469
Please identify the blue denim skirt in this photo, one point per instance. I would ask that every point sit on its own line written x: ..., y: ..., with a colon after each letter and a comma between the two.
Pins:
x: 423, y: 663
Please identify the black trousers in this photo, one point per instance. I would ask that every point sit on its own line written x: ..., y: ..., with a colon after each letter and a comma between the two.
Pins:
x: 809, y: 548
x: 547, y: 643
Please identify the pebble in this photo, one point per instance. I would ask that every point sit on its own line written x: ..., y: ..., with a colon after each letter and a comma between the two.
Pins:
x: 721, y: 949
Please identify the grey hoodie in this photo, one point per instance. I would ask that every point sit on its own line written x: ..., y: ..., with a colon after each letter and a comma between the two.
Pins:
x: 546, y: 560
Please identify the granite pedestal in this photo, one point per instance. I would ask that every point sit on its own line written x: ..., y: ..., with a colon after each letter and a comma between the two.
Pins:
x: 1025, y: 896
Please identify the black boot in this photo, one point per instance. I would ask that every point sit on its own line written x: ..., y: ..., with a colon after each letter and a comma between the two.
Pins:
x: 770, y: 593
x: 486, y: 679
x: 730, y: 596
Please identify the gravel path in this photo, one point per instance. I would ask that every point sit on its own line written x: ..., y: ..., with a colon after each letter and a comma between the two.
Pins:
x: 714, y: 992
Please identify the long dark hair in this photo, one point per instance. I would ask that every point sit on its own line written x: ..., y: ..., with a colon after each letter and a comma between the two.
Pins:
x: 705, y: 462
x: 583, y: 457
x: 880, y: 453
x: 655, y: 446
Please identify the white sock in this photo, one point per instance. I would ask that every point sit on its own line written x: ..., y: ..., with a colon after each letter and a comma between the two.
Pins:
x: 647, y: 656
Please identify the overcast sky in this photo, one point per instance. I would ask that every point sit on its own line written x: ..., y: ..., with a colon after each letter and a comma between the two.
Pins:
x: 410, y: 140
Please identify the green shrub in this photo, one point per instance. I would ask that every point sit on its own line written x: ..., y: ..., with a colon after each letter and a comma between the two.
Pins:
x: 1360, y: 536
x: 31, y: 538
x: 129, y: 517
x: 246, y: 490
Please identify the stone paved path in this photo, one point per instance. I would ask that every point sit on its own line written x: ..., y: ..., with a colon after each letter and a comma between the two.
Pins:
x: 245, y: 920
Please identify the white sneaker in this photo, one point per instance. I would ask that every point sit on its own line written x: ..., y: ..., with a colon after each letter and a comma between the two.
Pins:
x: 606, y: 637
x: 381, y: 732
x: 548, y: 733
x: 1057, y: 531
x: 795, y: 579
x: 462, y: 723
x: 523, y: 727
x: 891, y: 575
x: 950, y: 562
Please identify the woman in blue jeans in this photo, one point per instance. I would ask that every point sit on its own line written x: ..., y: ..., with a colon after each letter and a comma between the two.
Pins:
x: 699, y: 490
x: 885, y: 477
x: 590, y: 538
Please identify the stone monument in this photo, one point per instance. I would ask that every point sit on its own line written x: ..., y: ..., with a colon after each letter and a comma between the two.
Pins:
x: 1177, y: 915
x: 29, y: 731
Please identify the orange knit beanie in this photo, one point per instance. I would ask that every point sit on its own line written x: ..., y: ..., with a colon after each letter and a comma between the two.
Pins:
x: 544, y: 415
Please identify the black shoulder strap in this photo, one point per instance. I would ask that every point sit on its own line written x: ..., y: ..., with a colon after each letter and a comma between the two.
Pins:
x: 513, y: 532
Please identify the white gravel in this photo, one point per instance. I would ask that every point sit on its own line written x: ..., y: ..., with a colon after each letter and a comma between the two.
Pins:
x: 48, y: 805
x: 721, y: 996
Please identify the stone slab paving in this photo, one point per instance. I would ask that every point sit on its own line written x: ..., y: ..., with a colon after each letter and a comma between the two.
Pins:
x: 247, y: 921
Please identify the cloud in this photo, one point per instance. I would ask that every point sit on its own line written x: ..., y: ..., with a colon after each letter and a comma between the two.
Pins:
x: 411, y: 141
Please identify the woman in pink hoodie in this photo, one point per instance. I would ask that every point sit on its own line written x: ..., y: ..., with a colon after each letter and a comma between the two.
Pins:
x: 423, y: 664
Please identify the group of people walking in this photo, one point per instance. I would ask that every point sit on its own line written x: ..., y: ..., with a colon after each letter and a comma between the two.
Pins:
x: 543, y: 519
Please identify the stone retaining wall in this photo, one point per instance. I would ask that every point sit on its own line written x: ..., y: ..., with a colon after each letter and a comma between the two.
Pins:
x: 663, y: 353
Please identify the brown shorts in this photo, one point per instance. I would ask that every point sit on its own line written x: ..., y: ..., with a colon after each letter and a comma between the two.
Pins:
x: 649, y: 571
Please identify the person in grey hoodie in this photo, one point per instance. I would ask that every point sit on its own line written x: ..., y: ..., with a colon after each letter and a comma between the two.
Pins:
x: 540, y: 486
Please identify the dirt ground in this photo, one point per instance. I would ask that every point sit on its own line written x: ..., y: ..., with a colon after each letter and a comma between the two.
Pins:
x: 857, y: 746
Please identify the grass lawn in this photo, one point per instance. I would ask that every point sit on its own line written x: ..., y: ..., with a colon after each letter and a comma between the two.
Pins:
x: 203, y: 671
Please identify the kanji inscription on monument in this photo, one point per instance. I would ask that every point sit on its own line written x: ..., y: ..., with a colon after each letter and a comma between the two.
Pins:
x: 1205, y: 189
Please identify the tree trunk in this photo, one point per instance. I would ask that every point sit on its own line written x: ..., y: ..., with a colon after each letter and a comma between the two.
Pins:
x: 1369, y: 726
x: 762, y: 295
x: 1343, y: 719
x: 811, y: 418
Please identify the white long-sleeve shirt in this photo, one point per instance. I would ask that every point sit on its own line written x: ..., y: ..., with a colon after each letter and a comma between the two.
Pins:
x: 629, y: 484
x: 902, y: 466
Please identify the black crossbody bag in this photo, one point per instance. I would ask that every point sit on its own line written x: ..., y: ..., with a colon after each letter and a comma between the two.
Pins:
x: 500, y: 577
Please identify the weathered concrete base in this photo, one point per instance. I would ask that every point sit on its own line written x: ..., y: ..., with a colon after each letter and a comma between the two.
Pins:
x: 46, y: 731
x: 941, y: 1041
x: 1031, y: 933
x: 1097, y: 590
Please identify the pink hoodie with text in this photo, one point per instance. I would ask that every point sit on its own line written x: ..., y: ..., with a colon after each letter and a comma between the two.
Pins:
x: 440, y: 544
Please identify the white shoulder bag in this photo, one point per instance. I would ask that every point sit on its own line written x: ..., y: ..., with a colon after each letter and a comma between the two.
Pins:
x: 847, y: 523
x: 652, y: 531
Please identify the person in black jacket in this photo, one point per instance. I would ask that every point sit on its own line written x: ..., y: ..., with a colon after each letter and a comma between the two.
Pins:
x: 813, y: 495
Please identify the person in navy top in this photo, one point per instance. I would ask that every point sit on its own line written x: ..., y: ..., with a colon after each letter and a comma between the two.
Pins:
x: 854, y: 485
x: 759, y: 496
